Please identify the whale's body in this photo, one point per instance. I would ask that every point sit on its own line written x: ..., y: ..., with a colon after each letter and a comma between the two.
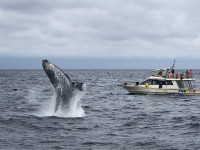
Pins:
x: 62, y: 83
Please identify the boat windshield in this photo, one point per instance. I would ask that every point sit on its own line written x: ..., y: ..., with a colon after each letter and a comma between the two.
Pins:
x: 156, y: 82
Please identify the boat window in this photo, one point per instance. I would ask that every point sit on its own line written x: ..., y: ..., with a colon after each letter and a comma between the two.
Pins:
x: 146, y: 82
x: 162, y: 82
x: 169, y: 83
x: 151, y: 82
x: 165, y: 83
x: 155, y: 82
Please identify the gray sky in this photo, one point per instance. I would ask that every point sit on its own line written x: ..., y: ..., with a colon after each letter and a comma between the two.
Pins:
x: 101, y: 29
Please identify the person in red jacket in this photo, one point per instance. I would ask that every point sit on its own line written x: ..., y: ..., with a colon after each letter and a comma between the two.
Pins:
x: 190, y: 73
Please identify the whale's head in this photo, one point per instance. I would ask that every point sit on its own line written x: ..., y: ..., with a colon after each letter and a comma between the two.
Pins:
x: 50, y: 70
x: 46, y: 64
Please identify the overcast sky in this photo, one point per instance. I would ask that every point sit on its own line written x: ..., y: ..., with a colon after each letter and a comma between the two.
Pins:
x: 95, y: 30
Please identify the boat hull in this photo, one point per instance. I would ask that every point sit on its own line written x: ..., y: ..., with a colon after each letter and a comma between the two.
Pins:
x: 135, y: 89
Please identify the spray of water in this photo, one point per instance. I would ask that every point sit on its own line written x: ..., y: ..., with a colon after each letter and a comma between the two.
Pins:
x: 47, y: 107
x: 75, y: 109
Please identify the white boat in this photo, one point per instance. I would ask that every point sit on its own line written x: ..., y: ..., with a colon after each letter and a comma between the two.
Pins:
x: 160, y: 82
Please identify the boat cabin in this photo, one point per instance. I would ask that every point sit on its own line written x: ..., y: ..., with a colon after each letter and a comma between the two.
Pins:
x: 169, y: 83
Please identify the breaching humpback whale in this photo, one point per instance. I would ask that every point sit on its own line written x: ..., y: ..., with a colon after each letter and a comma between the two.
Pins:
x: 63, y: 85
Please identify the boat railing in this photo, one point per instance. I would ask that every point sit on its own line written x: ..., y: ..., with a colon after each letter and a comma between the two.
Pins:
x: 165, y: 73
x: 175, y: 77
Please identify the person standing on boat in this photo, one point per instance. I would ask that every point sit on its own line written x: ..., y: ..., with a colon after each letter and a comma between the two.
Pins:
x: 161, y: 73
x: 168, y: 75
x: 181, y: 76
x: 187, y: 74
x: 190, y: 73
x: 177, y: 76
x: 172, y: 73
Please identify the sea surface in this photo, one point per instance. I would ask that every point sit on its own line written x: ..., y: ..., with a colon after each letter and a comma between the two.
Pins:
x: 109, y: 118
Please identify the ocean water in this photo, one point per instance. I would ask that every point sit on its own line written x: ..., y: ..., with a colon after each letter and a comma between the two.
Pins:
x: 108, y: 118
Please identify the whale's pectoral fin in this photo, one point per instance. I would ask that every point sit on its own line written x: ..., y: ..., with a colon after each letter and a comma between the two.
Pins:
x: 79, y: 86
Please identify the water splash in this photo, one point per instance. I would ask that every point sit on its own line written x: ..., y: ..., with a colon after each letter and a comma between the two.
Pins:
x: 75, y: 109
x: 46, y: 107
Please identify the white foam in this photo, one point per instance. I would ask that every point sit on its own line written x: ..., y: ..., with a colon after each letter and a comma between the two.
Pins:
x: 47, y: 107
x: 75, y: 109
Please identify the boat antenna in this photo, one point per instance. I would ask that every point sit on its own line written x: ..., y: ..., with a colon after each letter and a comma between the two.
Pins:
x: 173, y: 65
